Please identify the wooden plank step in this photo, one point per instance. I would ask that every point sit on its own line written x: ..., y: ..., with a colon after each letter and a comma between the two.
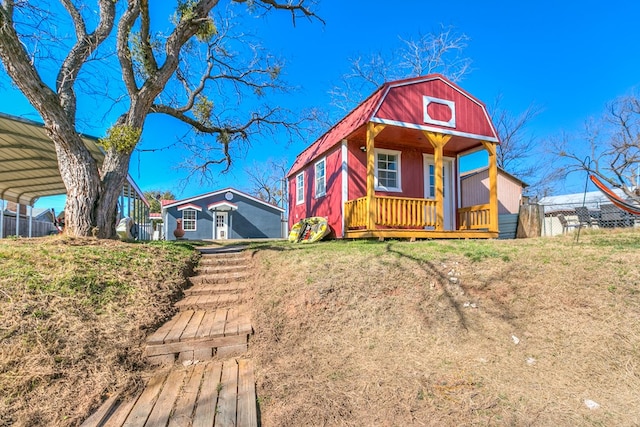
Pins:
x: 198, y: 324
x: 220, y: 269
x: 216, y: 260
x: 200, y: 334
x: 213, y: 344
x: 205, y: 394
x: 221, y: 288
x: 209, y: 302
x: 219, y: 278
x: 227, y: 255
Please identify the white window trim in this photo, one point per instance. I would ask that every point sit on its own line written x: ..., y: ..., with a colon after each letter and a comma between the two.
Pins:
x: 324, y: 177
x: 195, y: 220
x: 299, y: 190
x: 379, y: 187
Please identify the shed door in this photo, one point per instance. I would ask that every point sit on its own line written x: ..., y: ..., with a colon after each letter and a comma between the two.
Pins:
x: 447, y: 181
x: 222, y: 225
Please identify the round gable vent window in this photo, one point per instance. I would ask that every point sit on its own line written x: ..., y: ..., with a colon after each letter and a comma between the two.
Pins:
x: 228, y: 195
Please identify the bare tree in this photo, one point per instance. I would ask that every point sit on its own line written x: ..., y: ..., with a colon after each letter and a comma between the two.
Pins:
x: 183, y: 72
x: 427, y: 53
x: 520, y: 153
x: 267, y: 180
x: 609, y: 147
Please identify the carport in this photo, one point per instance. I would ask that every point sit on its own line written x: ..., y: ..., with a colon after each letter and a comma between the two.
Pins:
x: 29, y: 171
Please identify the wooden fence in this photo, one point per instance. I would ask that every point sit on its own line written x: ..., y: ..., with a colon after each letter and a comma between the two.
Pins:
x: 38, y: 228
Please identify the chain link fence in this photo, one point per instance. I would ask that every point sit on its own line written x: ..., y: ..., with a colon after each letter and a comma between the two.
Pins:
x: 566, y: 217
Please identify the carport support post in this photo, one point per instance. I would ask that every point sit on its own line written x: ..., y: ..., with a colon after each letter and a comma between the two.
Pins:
x: 372, y: 131
x: 1, y: 218
x: 17, y: 219
x: 438, y: 141
x: 30, y: 209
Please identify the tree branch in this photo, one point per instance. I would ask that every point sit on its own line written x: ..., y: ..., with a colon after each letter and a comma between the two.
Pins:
x: 145, y: 38
x: 122, y: 46
x: 84, y: 47
x: 293, y: 8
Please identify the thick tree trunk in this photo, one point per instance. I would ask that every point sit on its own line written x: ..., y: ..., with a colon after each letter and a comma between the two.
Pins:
x: 114, y: 175
x: 79, y: 172
x: 92, y: 194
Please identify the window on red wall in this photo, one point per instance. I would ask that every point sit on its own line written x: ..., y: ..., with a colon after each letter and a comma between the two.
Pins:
x: 320, y: 178
x: 387, y: 170
x: 300, y: 188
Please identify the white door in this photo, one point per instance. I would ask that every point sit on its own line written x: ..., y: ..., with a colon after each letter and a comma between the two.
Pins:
x: 447, y: 182
x: 222, y: 225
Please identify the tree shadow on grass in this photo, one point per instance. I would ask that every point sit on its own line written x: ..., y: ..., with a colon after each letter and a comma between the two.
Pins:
x: 443, y: 280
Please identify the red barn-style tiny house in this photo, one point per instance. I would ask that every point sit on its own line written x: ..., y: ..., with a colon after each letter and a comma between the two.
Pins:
x: 390, y: 168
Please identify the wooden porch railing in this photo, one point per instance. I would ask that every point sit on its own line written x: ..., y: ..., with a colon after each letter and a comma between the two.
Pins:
x: 392, y: 212
x: 475, y: 217
x: 355, y: 213
x: 405, y: 212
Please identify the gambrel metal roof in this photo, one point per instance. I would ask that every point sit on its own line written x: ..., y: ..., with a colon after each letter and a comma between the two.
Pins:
x: 28, y: 162
x: 406, y: 105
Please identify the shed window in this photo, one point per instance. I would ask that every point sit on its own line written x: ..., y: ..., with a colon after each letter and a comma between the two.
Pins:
x: 321, y: 180
x: 189, y: 219
x: 387, y: 170
x: 300, y: 188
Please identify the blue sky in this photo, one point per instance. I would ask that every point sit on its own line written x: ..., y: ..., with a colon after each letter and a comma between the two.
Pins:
x: 570, y: 58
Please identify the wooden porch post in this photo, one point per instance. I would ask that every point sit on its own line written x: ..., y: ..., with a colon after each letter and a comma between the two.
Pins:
x: 438, y: 140
x: 493, y: 185
x: 372, y: 131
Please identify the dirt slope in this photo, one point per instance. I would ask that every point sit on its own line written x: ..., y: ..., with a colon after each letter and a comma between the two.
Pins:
x: 528, y: 332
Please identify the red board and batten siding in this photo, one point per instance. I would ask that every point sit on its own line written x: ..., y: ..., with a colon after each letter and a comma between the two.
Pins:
x: 400, y: 104
x: 404, y: 104
x: 329, y: 205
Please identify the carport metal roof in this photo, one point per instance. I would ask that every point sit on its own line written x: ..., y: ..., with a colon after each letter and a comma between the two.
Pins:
x: 29, y: 166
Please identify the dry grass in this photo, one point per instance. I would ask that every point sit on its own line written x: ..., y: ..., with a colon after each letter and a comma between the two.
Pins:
x: 398, y: 333
x: 347, y: 333
x: 73, y: 316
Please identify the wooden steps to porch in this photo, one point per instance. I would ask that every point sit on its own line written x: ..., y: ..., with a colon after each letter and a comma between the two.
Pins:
x: 213, y: 394
x: 211, y: 327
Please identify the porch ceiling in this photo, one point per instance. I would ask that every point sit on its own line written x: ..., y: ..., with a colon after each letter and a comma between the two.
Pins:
x: 403, y: 136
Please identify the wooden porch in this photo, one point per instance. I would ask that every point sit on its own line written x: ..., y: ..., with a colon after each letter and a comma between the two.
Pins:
x: 401, y: 217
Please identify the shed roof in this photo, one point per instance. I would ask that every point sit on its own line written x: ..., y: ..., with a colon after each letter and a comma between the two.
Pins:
x: 469, y: 174
x: 29, y: 165
x: 405, y: 104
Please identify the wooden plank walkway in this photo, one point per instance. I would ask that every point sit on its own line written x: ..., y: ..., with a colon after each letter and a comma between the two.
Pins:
x: 212, y: 394
x: 212, y: 323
